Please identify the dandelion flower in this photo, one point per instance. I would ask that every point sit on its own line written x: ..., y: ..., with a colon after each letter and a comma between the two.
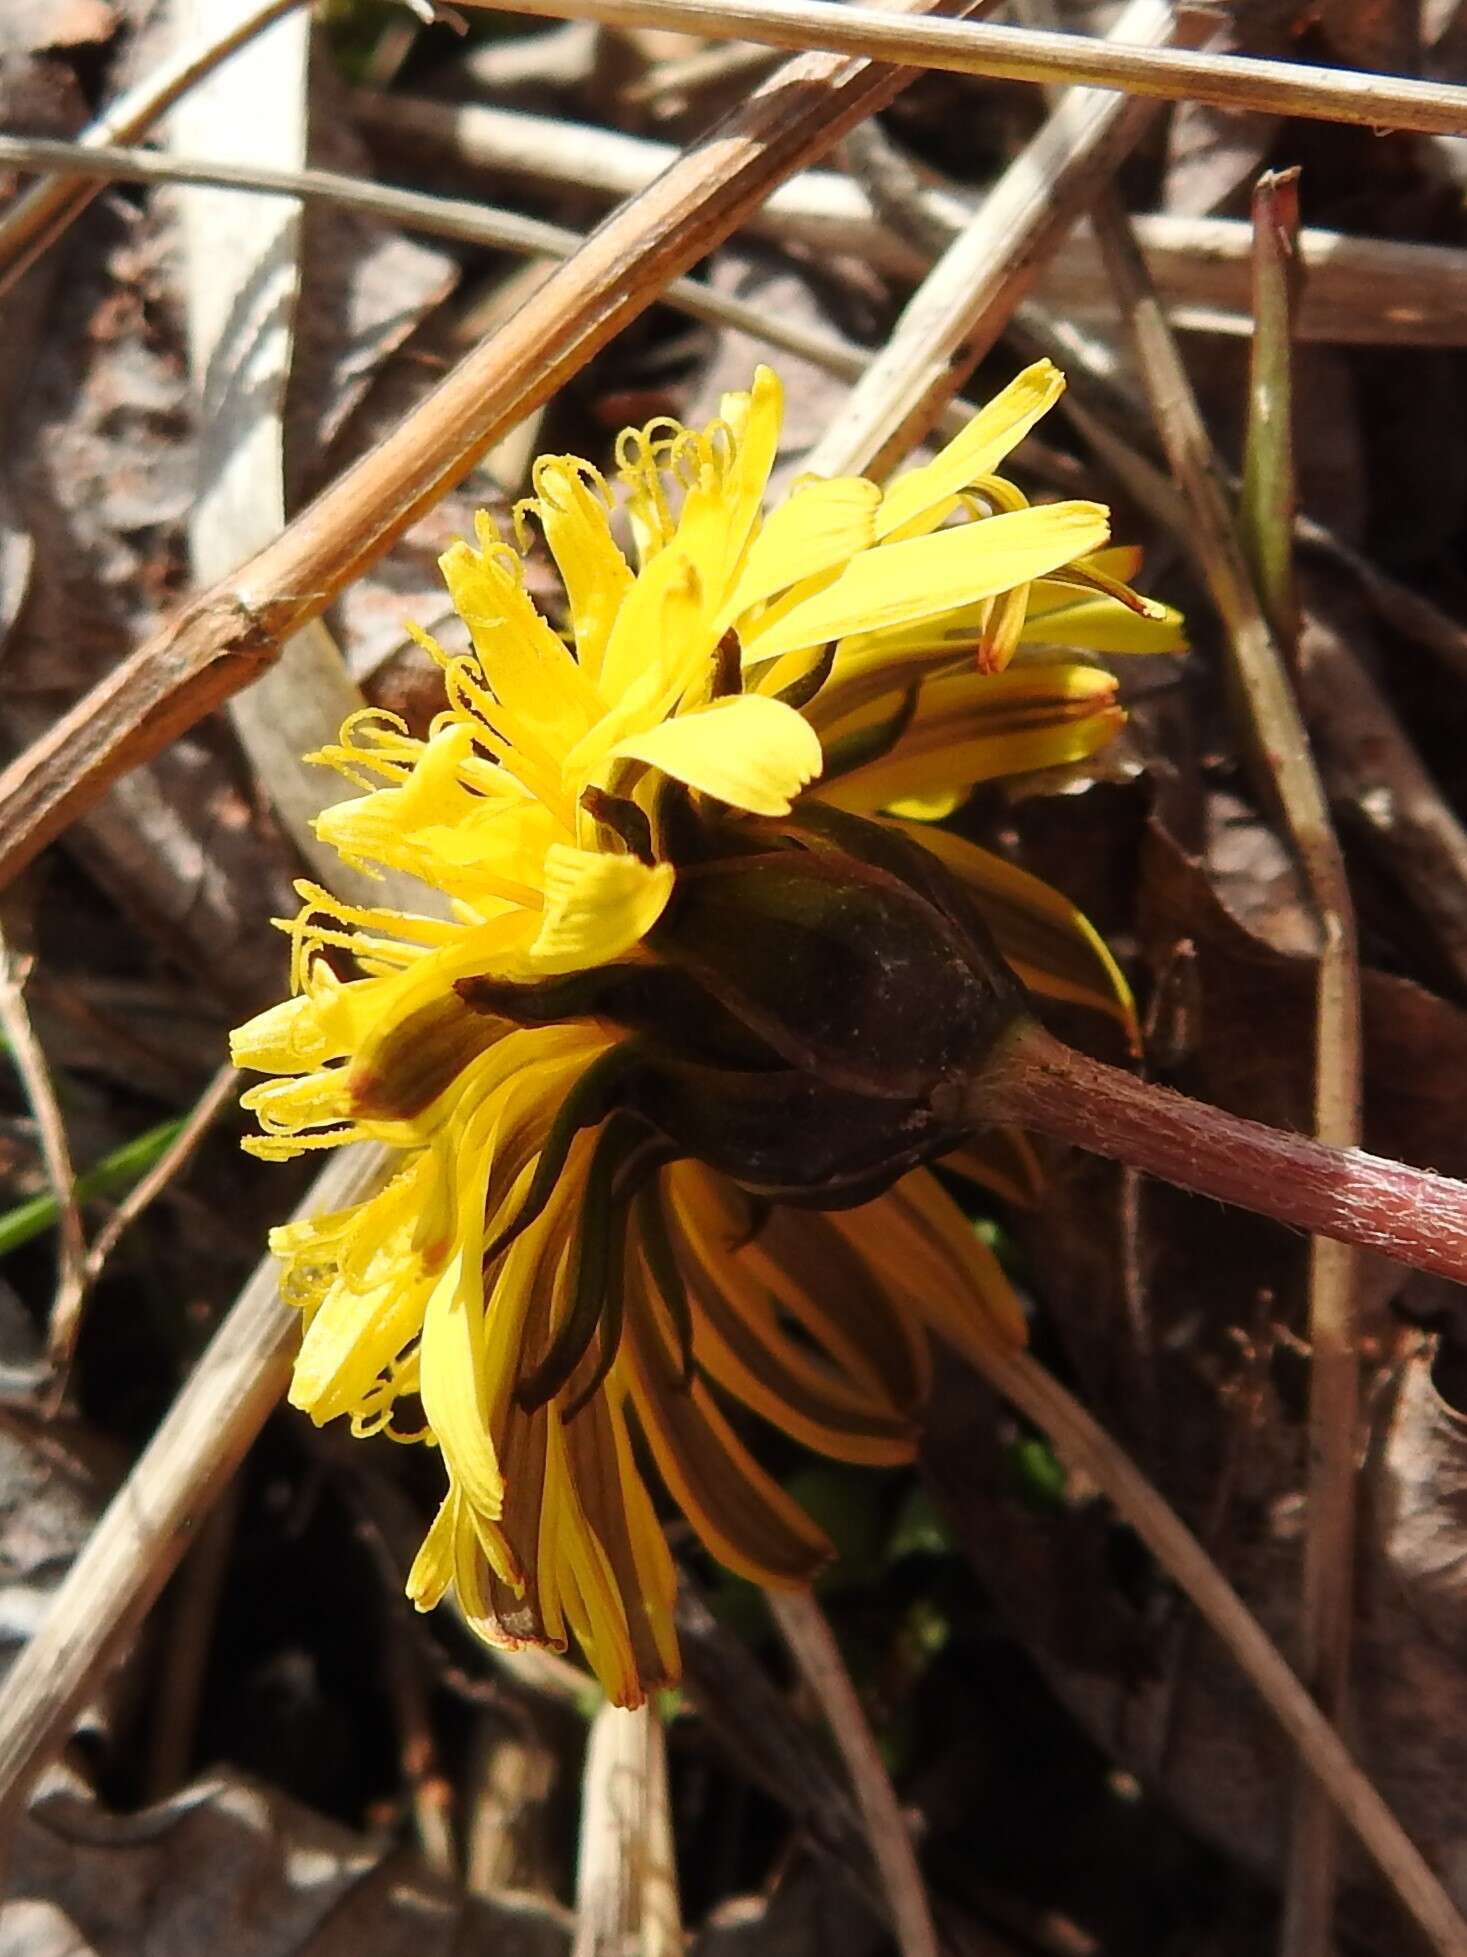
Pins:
x: 661, y: 1059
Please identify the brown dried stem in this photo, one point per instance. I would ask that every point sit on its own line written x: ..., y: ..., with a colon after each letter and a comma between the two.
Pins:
x: 440, y: 217
x: 626, y: 1874
x: 227, y: 635
x: 1081, y: 1442
x: 29, y: 1060
x: 174, y: 1159
x: 811, y: 1642
x: 1052, y: 60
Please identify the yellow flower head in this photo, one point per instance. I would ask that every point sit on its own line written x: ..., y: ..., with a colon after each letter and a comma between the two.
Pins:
x: 659, y: 1057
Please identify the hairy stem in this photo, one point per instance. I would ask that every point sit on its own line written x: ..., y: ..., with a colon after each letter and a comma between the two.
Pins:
x: 1410, y: 1214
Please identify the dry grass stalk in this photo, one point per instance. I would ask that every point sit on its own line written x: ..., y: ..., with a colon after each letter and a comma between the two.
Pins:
x: 819, y: 208
x: 676, y: 80
x: 442, y: 217
x: 1378, y: 291
x: 626, y: 1875
x: 229, y: 634
x: 1084, y: 1445
x: 35, y: 220
x: 29, y: 1059
x: 174, y: 1159
x: 151, y: 1520
x: 1052, y: 60
x: 1371, y: 291
x: 1280, y: 746
x: 965, y: 301
x: 812, y: 1644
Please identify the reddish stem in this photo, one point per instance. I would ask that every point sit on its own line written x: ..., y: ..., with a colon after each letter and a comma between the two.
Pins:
x: 1409, y: 1214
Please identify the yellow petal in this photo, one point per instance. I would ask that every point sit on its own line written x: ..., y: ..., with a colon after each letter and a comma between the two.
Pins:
x: 799, y: 1259
x: 660, y: 626
x: 902, y: 582
x: 974, y: 727
x: 351, y: 1339
x: 920, y: 1241
x: 493, y: 857
x: 977, y: 451
x: 754, y: 419
x: 527, y: 666
x: 284, y: 1107
x: 588, y: 1585
x: 618, y: 1513
x: 596, y: 907
x: 432, y: 1570
x: 741, y: 1346
x: 936, y: 807
x: 820, y: 526
x: 596, y: 576
x: 372, y: 1309
x: 1118, y: 564
x: 1100, y: 624
x: 979, y: 1304
x: 323, y: 1023
x: 751, y: 752
x: 455, y: 1395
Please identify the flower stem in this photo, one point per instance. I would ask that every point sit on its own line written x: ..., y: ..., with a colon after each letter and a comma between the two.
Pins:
x: 1412, y: 1215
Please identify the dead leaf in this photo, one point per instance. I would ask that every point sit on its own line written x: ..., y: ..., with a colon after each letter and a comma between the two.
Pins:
x: 54, y: 1482
x: 231, y: 1867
